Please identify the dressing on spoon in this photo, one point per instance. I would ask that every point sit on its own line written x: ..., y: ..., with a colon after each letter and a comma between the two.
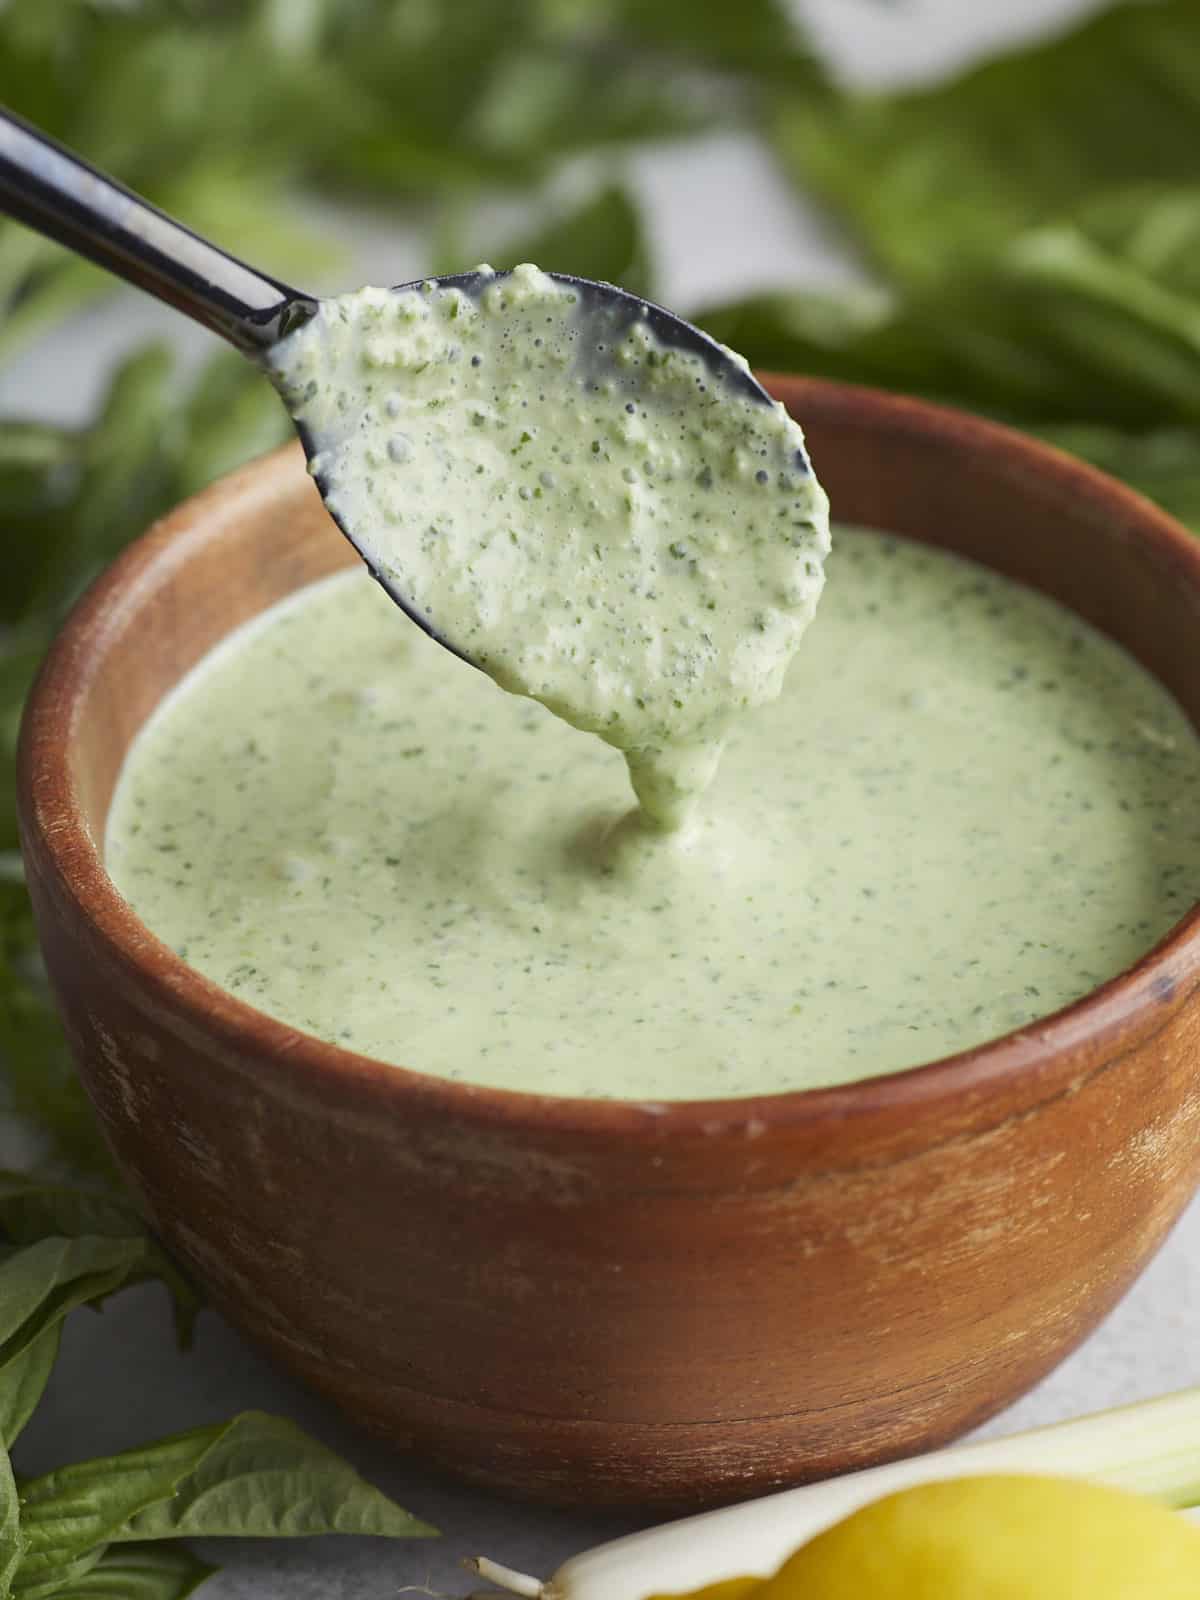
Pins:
x: 605, y: 521
x: 575, y: 489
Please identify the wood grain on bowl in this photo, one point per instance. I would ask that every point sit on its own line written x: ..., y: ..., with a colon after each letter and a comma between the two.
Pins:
x: 610, y: 1302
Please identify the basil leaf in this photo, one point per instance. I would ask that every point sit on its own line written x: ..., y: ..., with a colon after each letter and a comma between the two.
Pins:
x: 23, y: 1381
x: 934, y: 179
x: 262, y: 1477
x: 71, y: 1515
x: 11, y: 1538
x: 41, y: 1282
x: 33, y: 1209
x: 603, y: 238
x: 38, y: 1286
x: 48, y: 1581
x: 138, y: 1572
x: 253, y: 1477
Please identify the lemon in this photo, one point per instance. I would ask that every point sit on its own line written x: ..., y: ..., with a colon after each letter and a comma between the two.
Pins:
x: 994, y: 1538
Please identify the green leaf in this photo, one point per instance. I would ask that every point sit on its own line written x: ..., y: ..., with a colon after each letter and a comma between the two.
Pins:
x: 37, y: 480
x: 542, y: 100
x: 54, y: 1577
x: 45, y: 295
x: 23, y: 1382
x: 21, y: 651
x: 1087, y: 317
x: 262, y: 1477
x: 498, y: 91
x: 71, y: 1515
x: 978, y: 345
x: 33, y: 1209
x: 602, y: 238
x: 253, y: 1477
x: 66, y: 1248
x: 934, y: 179
x: 1163, y: 464
x: 759, y: 37
x: 11, y: 1539
x: 139, y: 1572
x: 231, y: 415
x: 1154, y: 228
x: 124, y: 467
x: 40, y: 1283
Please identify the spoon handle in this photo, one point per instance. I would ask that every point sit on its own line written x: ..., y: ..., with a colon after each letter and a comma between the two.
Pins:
x: 48, y: 188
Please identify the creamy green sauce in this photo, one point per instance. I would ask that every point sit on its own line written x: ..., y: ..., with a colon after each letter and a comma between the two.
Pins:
x: 966, y: 810
x: 589, y: 515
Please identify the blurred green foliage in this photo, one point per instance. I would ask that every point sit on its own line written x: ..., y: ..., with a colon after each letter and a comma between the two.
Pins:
x: 219, y: 110
x: 1035, y: 225
x: 932, y: 181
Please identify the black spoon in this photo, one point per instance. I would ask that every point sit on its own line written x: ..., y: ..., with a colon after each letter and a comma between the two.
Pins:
x: 50, y: 189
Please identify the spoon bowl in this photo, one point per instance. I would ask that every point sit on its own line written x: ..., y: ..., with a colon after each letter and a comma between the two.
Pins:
x: 604, y: 314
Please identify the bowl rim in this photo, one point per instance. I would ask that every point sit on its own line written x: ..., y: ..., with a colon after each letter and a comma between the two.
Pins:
x: 1046, y: 1051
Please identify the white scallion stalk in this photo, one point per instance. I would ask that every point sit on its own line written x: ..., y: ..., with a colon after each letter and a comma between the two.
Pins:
x: 1152, y: 1448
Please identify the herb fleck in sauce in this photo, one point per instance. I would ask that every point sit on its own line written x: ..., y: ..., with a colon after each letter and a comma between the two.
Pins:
x: 966, y: 810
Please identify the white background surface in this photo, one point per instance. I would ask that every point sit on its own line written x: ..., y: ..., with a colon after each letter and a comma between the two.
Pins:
x: 724, y: 222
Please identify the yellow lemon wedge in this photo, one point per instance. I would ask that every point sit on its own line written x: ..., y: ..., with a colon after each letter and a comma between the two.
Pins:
x: 991, y: 1538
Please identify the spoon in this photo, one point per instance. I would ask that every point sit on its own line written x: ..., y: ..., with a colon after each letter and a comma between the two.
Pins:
x: 676, y: 558
x: 55, y: 192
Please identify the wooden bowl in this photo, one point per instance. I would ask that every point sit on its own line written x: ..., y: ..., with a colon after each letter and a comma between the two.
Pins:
x: 596, y: 1302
